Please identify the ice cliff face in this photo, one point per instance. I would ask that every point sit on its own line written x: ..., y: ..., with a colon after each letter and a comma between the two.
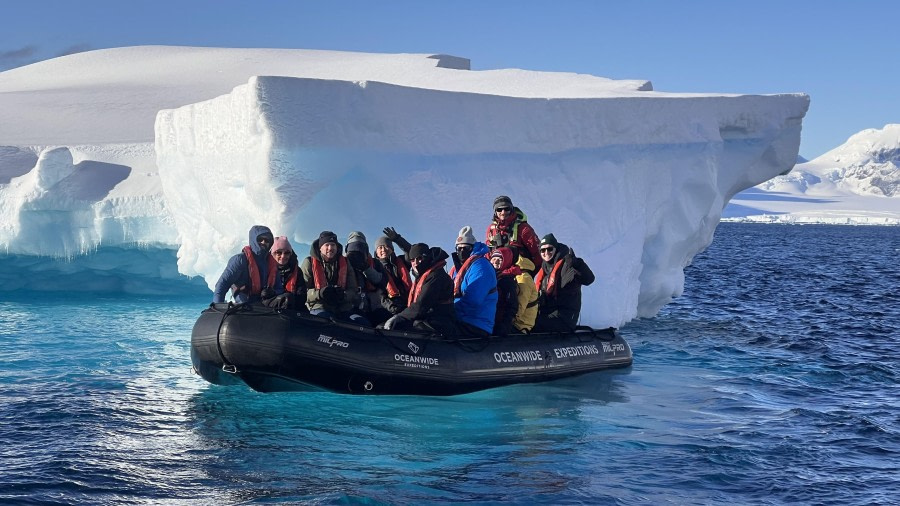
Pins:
x: 634, y: 180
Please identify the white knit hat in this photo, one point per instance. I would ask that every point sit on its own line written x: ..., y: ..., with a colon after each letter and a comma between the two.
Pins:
x: 465, y: 236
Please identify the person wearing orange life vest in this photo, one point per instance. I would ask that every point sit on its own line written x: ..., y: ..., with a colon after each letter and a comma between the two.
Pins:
x: 559, y: 283
x: 289, y: 280
x: 509, y: 227
x: 331, y: 287
x: 250, y: 271
x: 430, y: 302
x: 397, y: 270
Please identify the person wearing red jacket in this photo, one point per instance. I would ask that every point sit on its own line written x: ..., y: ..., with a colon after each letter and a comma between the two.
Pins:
x: 509, y: 228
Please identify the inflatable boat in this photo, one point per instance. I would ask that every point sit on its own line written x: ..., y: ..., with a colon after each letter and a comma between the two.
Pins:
x: 276, y: 350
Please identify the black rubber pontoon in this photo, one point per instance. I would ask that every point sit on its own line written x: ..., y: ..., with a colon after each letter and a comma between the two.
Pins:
x: 273, y: 351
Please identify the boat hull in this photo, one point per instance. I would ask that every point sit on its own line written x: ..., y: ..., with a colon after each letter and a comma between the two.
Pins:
x: 275, y: 351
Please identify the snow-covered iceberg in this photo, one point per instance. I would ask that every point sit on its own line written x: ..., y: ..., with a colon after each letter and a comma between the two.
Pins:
x: 633, y: 179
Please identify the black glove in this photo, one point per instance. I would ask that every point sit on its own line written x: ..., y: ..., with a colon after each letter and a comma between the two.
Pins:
x: 357, y: 260
x: 283, y: 301
x: 332, y: 295
x: 391, y: 234
x: 267, y: 293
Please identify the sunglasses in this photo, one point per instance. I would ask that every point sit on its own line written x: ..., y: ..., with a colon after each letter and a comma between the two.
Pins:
x: 420, y: 258
x: 548, y: 249
x: 265, y: 239
x: 503, y: 210
x: 463, y: 247
x: 281, y: 252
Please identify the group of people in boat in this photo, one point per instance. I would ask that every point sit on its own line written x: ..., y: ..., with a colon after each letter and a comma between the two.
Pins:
x: 512, y: 282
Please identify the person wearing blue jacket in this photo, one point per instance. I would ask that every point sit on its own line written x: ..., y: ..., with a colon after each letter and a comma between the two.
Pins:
x: 251, y: 272
x: 474, y: 285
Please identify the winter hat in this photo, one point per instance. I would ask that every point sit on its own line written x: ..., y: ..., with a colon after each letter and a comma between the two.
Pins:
x: 417, y: 250
x: 326, y: 237
x: 282, y: 243
x: 465, y: 236
x: 384, y: 241
x: 549, y: 240
x: 505, y: 255
x: 503, y: 201
x: 356, y: 241
x: 356, y: 236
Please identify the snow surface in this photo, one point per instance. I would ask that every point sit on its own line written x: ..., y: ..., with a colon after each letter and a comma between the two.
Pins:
x: 155, y: 148
x: 857, y: 183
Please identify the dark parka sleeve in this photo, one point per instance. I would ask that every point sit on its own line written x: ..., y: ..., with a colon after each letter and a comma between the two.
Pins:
x: 434, y: 289
x: 507, y: 305
x: 234, y: 271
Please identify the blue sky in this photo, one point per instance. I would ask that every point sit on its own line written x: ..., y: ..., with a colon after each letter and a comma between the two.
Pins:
x: 844, y: 55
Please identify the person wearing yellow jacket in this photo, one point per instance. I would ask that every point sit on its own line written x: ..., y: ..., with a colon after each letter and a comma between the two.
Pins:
x: 528, y: 297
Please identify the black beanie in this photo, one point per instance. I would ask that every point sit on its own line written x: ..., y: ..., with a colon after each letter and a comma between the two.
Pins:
x: 503, y: 201
x: 326, y: 237
x: 418, y: 250
x: 549, y: 240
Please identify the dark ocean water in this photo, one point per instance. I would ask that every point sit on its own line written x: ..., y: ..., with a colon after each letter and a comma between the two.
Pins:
x: 773, y: 380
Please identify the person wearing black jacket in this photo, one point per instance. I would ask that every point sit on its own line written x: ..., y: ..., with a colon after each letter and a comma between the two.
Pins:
x: 559, y: 282
x: 504, y: 262
x: 370, y: 278
x: 430, y: 302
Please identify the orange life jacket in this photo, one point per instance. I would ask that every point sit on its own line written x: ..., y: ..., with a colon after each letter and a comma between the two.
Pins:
x: 551, y: 283
x: 392, y: 288
x: 318, y: 272
x: 255, y: 280
x: 457, y: 282
x: 417, y: 287
x: 291, y: 283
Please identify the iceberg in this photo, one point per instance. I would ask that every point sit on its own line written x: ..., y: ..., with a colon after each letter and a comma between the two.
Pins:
x: 635, y: 180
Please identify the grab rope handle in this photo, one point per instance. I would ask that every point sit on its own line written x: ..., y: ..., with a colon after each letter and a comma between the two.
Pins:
x: 226, y: 365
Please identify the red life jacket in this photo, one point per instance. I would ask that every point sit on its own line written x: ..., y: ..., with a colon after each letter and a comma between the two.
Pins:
x: 551, y: 283
x: 291, y: 284
x: 457, y: 282
x: 392, y: 289
x: 417, y: 287
x: 318, y: 272
x: 255, y: 280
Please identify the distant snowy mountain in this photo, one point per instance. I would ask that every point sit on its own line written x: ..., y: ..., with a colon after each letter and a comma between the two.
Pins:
x: 867, y: 164
x: 856, y: 183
